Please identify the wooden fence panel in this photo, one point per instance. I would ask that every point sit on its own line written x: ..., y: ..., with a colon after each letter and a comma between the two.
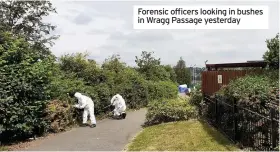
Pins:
x: 210, y: 83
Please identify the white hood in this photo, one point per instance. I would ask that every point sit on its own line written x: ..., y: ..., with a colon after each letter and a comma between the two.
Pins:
x: 78, y: 95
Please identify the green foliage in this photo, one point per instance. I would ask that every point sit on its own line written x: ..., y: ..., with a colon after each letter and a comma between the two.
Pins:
x: 101, y: 96
x: 182, y: 72
x: 112, y: 77
x: 78, y: 66
x: 258, y: 93
x: 162, y: 90
x: 151, y: 68
x: 114, y: 64
x: 272, y: 54
x: 196, y: 98
x: 132, y: 87
x: 59, y: 115
x: 198, y: 86
x: 253, y: 90
x: 172, y: 73
x: 3, y: 148
x: 25, y: 18
x: 24, y: 81
x: 167, y: 110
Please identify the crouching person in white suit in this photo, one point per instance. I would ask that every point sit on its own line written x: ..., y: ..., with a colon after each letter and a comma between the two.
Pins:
x: 87, y: 104
x: 120, y: 106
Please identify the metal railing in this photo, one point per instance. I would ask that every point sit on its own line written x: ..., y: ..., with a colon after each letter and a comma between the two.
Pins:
x: 252, y: 127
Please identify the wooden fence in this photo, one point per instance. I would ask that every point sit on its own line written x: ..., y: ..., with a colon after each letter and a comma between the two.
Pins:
x: 210, y: 80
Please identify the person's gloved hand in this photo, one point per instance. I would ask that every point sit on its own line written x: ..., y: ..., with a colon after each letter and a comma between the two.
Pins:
x: 75, y: 106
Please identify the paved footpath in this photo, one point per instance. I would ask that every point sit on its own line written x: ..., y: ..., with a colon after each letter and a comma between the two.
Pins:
x: 109, y: 135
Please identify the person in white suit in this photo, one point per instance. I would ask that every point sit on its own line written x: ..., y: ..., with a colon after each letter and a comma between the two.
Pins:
x: 87, y: 104
x: 120, y: 106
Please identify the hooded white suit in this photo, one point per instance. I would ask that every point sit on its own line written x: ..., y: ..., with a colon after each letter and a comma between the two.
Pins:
x: 87, y: 104
x: 119, y: 104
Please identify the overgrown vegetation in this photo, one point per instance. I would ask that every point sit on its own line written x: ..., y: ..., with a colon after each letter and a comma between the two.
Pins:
x: 254, y: 91
x: 196, y: 98
x: 182, y: 72
x: 272, y: 54
x: 73, y: 73
x: 258, y: 91
x: 257, y: 98
x: 168, y: 110
x: 34, y: 86
x: 24, y: 83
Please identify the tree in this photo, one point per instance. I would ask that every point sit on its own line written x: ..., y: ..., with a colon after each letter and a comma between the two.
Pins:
x: 25, y: 18
x: 151, y: 68
x: 172, y: 74
x: 182, y: 72
x: 147, y: 61
x: 113, y: 63
x: 272, y: 54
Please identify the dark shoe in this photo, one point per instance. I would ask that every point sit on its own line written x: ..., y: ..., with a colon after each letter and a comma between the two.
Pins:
x: 84, y: 125
x: 93, y: 125
x: 123, y: 115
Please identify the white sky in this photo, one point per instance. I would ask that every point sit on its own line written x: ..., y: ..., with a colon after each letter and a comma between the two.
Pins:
x: 105, y: 27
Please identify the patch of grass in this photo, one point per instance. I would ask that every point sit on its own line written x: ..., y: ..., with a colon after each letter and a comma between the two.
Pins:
x: 189, y: 135
x: 3, y: 148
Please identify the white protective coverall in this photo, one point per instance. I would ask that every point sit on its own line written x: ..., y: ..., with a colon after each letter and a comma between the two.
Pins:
x: 119, y: 104
x: 87, y: 104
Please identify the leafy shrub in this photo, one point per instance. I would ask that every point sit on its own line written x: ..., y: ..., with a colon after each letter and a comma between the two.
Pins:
x: 101, y: 98
x: 60, y: 115
x: 132, y: 87
x: 198, y: 87
x: 196, y: 98
x: 272, y: 54
x: 162, y: 90
x: 168, y: 110
x: 258, y: 93
x: 253, y: 91
x: 24, y: 81
x: 151, y: 68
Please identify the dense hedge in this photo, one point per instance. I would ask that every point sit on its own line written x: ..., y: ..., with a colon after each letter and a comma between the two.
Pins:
x: 60, y: 116
x: 24, y: 81
x: 34, y: 89
x: 168, y: 110
x: 162, y: 90
x: 196, y: 97
x: 258, y: 93
x: 254, y: 91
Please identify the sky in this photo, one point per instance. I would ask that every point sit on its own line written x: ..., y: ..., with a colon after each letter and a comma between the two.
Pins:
x: 104, y: 28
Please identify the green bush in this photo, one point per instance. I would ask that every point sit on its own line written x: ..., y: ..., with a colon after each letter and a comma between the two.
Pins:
x: 132, y: 87
x: 38, y: 90
x: 253, y: 91
x: 60, y: 116
x: 101, y: 98
x: 162, y: 90
x: 196, y: 98
x: 258, y: 93
x: 272, y: 54
x: 198, y: 87
x: 24, y: 81
x: 168, y: 110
